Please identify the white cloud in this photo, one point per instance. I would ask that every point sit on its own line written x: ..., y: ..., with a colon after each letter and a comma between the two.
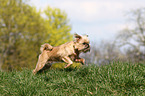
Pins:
x: 90, y: 10
x: 39, y: 4
x: 101, y: 18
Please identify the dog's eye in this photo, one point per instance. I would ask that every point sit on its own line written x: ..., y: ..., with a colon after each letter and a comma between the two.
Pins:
x: 84, y: 43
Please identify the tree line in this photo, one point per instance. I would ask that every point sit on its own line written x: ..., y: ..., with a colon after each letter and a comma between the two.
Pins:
x: 128, y: 45
x: 23, y: 29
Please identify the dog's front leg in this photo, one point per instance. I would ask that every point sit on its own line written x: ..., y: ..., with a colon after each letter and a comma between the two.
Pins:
x: 67, y: 60
x: 81, y: 60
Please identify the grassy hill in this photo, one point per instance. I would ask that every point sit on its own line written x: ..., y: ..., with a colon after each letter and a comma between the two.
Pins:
x: 114, y: 79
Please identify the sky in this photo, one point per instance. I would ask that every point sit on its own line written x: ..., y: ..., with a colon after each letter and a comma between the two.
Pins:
x: 99, y: 19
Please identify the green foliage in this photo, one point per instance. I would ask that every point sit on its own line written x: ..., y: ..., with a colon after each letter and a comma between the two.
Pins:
x: 115, y: 79
x: 23, y: 30
x: 58, y: 26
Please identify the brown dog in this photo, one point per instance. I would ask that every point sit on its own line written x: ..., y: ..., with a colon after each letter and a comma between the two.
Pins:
x: 64, y: 52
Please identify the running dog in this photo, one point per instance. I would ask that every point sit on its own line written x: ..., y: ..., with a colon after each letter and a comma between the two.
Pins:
x: 65, y: 52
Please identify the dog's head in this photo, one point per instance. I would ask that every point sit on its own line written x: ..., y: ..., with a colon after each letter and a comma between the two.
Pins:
x: 82, y: 43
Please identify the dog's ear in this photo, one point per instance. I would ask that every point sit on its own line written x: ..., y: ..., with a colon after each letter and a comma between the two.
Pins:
x: 87, y: 35
x: 77, y: 37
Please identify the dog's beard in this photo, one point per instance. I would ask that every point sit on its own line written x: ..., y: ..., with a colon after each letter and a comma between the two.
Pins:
x: 85, y: 49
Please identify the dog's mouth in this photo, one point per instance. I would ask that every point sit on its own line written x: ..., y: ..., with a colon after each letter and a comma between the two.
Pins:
x: 87, y: 48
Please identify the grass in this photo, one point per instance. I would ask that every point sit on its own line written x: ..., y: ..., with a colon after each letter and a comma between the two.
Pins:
x: 114, y: 79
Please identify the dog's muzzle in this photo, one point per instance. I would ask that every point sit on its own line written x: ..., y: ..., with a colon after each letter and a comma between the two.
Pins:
x: 87, y: 48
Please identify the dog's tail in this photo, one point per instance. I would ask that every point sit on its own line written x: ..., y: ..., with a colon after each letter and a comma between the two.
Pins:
x: 46, y: 46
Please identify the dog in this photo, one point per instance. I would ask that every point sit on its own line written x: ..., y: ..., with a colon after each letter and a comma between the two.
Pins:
x: 65, y: 52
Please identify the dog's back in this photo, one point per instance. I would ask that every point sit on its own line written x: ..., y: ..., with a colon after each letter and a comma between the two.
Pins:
x: 63, y: 50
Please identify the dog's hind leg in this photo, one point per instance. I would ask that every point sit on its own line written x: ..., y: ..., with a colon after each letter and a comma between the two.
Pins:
x: 67, y: 60
x: 41, y: 62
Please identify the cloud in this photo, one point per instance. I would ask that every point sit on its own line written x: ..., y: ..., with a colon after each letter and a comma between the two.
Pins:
x: 39, y: 4
x: 97, y: 18
x: 90, y: 10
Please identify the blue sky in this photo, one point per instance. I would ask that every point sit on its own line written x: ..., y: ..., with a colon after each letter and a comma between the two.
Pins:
x: 100, y: 19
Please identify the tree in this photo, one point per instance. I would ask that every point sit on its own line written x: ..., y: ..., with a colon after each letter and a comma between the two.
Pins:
x: 58, y: 26
x: 134, y: 35
x: 20, y: 34
x: 22, y: 31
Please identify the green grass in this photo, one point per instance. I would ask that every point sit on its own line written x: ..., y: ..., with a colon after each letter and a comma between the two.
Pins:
x: 114, y: 79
